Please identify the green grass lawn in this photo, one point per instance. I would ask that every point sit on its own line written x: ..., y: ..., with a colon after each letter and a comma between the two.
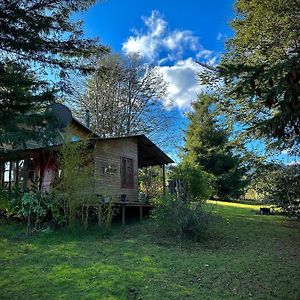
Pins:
x: 245, y: 255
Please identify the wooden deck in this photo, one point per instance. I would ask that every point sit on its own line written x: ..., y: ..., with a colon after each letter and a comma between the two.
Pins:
x: 124, y: 204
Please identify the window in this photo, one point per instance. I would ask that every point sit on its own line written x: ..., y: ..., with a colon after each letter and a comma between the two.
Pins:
x: 13, y: 173
x: 6, y: 175
x: 21, y: 171
x: 127, y: 173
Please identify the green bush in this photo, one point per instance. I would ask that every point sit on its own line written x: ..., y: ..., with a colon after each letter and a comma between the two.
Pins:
x: 285, y: 189
x: 199, y: 183
x: 11, y: 202
x: 280, y: 185
x: 30, y: 205
x: 4, y: 200
x: 181, y: 219
x: 74, y: 189
x: 150, y: 183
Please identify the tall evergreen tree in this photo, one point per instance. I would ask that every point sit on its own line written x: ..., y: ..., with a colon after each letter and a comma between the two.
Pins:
x: 207, y: 145
x: 24, y: 99
x: 260, y: 72
x: 38, y: 38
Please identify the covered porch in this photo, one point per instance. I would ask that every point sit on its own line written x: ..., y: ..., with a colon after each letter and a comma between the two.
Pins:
x: 149, y: 155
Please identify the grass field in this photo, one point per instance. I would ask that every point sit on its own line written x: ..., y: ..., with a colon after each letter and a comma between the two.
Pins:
x: 244, y: 256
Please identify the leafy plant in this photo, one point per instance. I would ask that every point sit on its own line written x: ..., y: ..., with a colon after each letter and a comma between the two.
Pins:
x: 199, y: 184
x: 4, y: 200
x: 54, y: 208
x: 74, y: 189
x: 14, y: 201
x: 179, y: 218
x: 280, y: 185
x: 105, y: 215
x: 150, y: 183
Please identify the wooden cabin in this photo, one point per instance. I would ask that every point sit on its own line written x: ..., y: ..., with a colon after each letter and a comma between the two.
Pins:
x: 115, y: 163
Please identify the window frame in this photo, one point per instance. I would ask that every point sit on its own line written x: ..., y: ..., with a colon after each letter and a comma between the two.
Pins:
x: 16, y: 173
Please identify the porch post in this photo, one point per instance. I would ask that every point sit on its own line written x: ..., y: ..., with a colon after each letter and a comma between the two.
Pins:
x: 141, y: 213
x: 99, y: 214
x: 123, y: 214
x: 26, y: 171
x: 164, y: 179
x: 1, y: 173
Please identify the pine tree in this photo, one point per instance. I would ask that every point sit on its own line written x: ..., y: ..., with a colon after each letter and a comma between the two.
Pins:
x: 38, y: 38
x: 24, y: 99
x: 41, y: 32
x: 207, y: 145
x: 260, y: 72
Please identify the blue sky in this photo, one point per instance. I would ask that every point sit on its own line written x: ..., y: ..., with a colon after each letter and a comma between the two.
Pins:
x: 113, y: 20
x: 170, y: 34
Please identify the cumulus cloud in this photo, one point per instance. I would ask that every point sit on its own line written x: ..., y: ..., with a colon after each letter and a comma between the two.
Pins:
x: 183, y: 86
x: 157, y: 40
x: 174, y: 51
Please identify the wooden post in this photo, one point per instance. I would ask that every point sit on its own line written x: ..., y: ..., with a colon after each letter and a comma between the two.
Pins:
x: 1, y: 172
x: 25, y: 173
x: 86, y: 216
x: 141, y: 213
x: 123, y: 215
x: 164, y: 179
x: 82, y: 214
x: 99, y: 214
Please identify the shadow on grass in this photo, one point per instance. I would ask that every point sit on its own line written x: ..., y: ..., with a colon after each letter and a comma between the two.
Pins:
x: 61, y: 264
x: 242, y: 254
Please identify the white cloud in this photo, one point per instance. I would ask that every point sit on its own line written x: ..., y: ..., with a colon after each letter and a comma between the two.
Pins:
x: 183, y: 86
x: 177, y: 48
x: 204, y: 53
x: 158, y: 40
x: 155, y: 24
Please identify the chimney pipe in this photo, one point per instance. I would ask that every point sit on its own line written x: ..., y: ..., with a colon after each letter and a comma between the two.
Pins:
x: 87, y: 118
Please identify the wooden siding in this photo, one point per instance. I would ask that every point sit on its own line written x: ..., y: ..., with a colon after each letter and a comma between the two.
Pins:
x: 107, y: 167
x: 74, y: 130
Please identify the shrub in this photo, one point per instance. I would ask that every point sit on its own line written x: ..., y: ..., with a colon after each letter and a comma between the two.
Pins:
x: 181, y: 219
x: 285, y: 191
x: 150, y: 183
x: 10, y: 202
x: 33, y: 210
x: 4, y: 200
x: 199, y: 183
x: 74, y: 189
x: 280, y: 185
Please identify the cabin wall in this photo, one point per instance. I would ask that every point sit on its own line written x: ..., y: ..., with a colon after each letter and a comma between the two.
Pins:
x: 107, y: 167
x: 75, y: 132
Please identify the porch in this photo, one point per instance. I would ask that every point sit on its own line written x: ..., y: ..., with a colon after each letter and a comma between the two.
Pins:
x: 116, y: 162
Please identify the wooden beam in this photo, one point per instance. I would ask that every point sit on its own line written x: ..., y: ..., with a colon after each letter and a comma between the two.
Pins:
x: 123, y: 215
x: 1, y: 174
x: 164, y: 179
x: 26, y: 173
x: 141, y: 213
x: 99, y: 214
